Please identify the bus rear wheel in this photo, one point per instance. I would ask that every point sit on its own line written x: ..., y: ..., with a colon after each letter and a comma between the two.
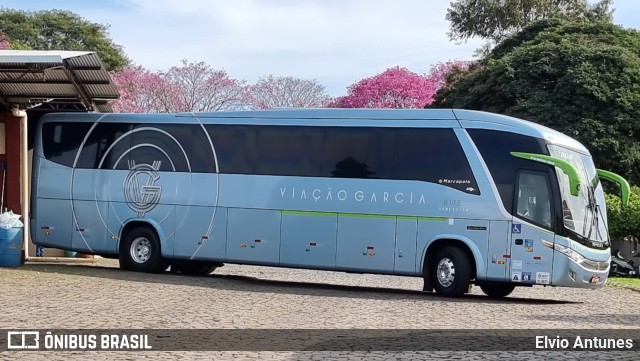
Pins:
x: 140, y: 251
x: 497, y: 289
x: 451, y: 272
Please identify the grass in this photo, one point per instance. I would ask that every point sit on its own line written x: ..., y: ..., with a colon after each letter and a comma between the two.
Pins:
x: 625, y: 282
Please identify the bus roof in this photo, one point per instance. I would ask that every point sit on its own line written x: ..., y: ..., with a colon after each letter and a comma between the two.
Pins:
x: 483, y: 120
x: 444, y: 117
x: 453, y: 118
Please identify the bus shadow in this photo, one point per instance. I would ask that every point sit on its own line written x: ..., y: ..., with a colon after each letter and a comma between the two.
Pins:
x: 243, y: 283
x: 311, y: 288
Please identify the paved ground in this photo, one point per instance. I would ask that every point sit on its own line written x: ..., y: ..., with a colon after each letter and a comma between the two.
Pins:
x: 100, y: 296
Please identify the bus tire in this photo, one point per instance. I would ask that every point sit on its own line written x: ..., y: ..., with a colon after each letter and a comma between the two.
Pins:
x: 451, y: 272
x: 497, y: 289
x: 194, y: 268
x: 140, y: 251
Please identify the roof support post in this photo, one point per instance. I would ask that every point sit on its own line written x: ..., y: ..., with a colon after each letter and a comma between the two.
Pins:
x: 79, y: 88
x: 24, y: 175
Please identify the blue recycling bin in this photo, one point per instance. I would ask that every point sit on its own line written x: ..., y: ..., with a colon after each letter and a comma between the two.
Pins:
x: 10, y: 247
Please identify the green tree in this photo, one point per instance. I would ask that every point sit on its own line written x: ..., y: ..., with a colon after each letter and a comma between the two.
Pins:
x: 624, y: 221
x: 582, y: 79
x: 494, y: 20
x: 60, y: 30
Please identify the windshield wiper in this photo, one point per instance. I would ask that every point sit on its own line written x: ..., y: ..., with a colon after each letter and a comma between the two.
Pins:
x: 596, y: 213
x: 605, y: 238
x: 588, y: 212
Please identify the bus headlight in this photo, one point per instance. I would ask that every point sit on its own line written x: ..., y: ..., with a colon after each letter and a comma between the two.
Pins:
x: 575, y: 256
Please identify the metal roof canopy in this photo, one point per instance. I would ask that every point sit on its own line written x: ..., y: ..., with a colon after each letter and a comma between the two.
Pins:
x: 55, y: 80
x: 46, y: 81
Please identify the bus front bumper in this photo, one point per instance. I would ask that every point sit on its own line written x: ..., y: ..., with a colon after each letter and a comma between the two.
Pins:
x: 581, y: 273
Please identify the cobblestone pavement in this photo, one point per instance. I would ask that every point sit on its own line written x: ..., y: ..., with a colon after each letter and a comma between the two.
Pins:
x: 100, y: 296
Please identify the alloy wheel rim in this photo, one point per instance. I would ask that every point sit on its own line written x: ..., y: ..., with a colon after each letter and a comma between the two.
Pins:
x: 140, y: 250
x: 445, y: 272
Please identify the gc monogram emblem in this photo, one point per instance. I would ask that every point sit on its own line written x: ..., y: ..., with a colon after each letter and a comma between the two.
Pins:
x: 140, y: 190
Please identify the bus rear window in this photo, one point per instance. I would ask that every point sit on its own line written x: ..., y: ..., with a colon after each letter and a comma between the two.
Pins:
x: 60, y: 141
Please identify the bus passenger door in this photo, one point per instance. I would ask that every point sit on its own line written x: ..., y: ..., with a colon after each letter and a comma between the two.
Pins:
x: 531, y: 262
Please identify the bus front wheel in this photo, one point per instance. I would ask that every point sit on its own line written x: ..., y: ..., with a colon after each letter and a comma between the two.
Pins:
x: 140, y: 251
x: 451, y: 272
x: 497, y: 289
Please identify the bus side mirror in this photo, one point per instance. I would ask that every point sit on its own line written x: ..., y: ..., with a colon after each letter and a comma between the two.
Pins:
x: 625, y: 189
x: 567, y: 168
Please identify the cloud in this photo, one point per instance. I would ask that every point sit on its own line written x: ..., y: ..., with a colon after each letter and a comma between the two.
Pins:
x: 334, y: 41
x: 337, y: 42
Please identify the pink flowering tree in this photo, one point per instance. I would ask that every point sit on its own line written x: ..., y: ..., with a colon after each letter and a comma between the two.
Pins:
x: 4, y: 43
x: 440, y: 71
x: 192, y: 87
x: 397, y: 88
x: 137, y: 87
x: 196, y: 87
x: 394, y: 88
x: 286, y: 92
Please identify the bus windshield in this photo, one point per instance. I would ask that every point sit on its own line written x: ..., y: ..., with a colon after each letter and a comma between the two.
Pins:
x: 584, y: 215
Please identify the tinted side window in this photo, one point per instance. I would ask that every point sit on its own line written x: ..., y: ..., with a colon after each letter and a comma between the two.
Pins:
x: 107, y: 147
x: 230, y: 142
x: 349, y: 153
x: 285, y: 151
x: 199, y: 149
x: 533, y: 198
x: 496, y: 147
x: 275, y: 150
x: 60, y: 141
x: 432, y: 155
x: 267, y: 150
x: 112, y: 145
x: 173, y: 147
x: 154, y: 145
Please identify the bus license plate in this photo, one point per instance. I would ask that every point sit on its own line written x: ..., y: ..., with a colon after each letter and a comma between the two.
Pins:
x: 595, y: 279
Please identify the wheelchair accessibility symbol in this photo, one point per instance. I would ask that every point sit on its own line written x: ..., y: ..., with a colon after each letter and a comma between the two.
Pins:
x: 516, y: 228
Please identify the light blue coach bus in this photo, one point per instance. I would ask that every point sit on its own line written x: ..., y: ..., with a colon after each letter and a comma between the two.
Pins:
x: 456, y: 197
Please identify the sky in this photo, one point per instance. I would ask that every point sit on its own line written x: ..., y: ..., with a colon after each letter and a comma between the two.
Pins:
x: 336, y: 42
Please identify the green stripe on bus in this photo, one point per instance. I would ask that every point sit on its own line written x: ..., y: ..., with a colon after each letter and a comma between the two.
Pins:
x: 310, y: 213
x: 436, y: 219
x: 419, y: 218
x: 364, y: 215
